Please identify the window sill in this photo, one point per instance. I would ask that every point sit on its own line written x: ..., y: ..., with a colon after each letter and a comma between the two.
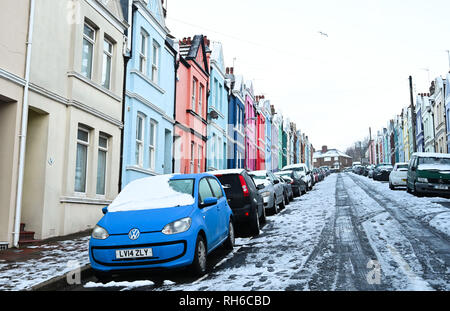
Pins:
x: 148, y: 80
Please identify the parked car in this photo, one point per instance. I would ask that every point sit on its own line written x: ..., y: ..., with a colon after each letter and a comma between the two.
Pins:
x: 298, y: 183
x: 382, y: 171
x: 288, y: 186
x: 370, y: 169
x: 304, y: 172
x: 326, y: 170
x: 164, y: 221
x: 287, y: 190
x: 429, y: 173
x: 358, y: 169
x: 244, y: 199
x: 272, y: 193
x: 398, y: 176
x: 348, y: 170
x: 315, y: 175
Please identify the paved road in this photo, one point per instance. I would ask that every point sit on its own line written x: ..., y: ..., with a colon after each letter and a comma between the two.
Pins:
x: 349, y: 233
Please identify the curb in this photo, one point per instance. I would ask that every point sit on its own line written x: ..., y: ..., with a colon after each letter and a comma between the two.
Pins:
x: 60, y: 282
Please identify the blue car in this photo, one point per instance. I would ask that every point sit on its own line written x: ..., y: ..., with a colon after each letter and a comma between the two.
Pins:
x: 165, y: 221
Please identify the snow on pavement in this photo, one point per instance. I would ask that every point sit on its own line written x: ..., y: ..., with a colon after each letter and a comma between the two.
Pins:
x: 56, y: 260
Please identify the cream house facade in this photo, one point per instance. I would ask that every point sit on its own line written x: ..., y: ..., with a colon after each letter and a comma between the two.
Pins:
x: 74, y: 119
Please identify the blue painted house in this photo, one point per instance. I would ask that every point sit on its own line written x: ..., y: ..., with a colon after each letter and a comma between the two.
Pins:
x: 217, y: 112
x: 236, y: 113
x: 149, y: 97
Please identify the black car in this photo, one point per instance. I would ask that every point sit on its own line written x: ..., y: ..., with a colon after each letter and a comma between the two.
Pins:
x: 382, y: 171
x: 298, y: 184
x: 244, y: 199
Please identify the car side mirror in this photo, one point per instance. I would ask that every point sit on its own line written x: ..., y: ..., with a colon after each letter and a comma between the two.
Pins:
x: 208, y: 202
x: 260, y: 187
x: 276, y: 181
x: 105, y: 210
x: 413, y: 168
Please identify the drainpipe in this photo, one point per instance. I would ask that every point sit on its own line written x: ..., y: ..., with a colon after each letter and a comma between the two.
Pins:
x: 24, y: 128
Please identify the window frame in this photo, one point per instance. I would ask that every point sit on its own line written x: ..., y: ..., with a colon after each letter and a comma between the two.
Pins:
x: 140, y: 142
x: 109, y: 55
x: 156, y: 48
x: 143, y: 54
x: 92, y: 42
x: 86, y: 162
x: 152, y: 144
x: 105, y: 150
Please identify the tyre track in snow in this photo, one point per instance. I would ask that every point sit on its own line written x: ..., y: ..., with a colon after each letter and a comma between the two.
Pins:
x: 340, y: 259
x: 431, y: 248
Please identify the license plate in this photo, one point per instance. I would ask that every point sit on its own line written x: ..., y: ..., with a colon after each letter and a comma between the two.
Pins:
x: 441, y: 187
x: 134, y: 253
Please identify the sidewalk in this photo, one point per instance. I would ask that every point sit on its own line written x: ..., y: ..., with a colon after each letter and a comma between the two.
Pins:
x: 27, y: 267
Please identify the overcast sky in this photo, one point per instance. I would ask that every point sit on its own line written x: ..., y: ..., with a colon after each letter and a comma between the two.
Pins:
x: 333, y: 87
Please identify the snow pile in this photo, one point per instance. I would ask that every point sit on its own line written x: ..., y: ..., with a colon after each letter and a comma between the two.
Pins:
x: 56, y: 260
x: 149, y: 193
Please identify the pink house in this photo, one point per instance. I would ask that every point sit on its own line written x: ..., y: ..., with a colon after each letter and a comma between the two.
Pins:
x: 250, y: 127
x: 191, y: 105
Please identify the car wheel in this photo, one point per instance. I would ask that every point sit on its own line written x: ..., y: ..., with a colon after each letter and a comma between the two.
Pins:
x: 103, y: 277
x: 286, y: 200
x: 262, y: 219
x: 199, y: 263
x: 391, y: 186
x: 282, y: 204
x: 229, y: 242
x: 275, y: 208
x: 254, y: 225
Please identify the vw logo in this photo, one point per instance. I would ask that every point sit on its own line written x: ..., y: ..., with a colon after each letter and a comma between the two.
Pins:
x: 134, y: 234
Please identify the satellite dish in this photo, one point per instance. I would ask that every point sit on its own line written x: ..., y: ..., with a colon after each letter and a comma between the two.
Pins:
x: 213, y: 114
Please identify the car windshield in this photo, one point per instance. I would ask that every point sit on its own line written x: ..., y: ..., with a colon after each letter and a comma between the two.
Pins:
x: 154, y: 192
x: 286, y: 173
x: 385, y: 167
x: 258, y: 176
x: 183, y: 186
x: 438, y: 161
x: 402, y: 166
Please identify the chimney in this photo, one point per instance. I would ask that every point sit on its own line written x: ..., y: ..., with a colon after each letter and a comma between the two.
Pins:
x: 227, y: 70
x: 232, y: 70
x: 324, y: 149
x: 189, y: 40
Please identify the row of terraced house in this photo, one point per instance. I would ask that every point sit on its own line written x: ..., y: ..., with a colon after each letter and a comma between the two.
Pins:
x: 422, y: 126
x: 95, y: 94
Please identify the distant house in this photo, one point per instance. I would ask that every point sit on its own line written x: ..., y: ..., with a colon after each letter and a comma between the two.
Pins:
x: 332, y: 158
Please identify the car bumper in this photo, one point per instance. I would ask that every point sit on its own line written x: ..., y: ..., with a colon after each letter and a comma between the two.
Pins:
x: 244, y: 214
x: 168, y: 251
x: 433, y: 188
x: 398, y: 182
x: 382, y: 176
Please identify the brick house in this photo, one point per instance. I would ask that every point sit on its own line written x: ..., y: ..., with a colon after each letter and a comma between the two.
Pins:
x: 332, y: 158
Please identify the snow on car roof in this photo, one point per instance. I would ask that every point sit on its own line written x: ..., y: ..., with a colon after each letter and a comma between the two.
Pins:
x: 226, y: 172
x: 294, y: 166
x: 150, y: 193
x: 432, y: 155
x: 258, y: 173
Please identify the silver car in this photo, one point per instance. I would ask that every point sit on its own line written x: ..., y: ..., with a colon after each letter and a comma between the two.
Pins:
x: 273, y: 191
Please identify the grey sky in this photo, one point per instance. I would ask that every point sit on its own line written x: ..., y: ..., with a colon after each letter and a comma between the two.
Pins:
x: 333, y: 87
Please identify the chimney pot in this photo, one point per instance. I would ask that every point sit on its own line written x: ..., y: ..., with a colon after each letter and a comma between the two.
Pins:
x: 232, y: 70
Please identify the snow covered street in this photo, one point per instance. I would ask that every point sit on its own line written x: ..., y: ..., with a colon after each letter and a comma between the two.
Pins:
x: 349, y: 233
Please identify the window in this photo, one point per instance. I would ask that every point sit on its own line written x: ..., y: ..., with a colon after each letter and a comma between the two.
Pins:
x: 216, y: 188
x: 88, y: 51
x: 107, y: 57
x: 143, y: 52
x: 152, y: 145
x: 194, y: 94
x: 155, y: 62
x: 81, y: 161
x: 220, y: 97
x: 192, y: 158
x: 101, y: 163
x: 204, y: 190
x: 140, y: 140
x: 327, y: 159
x: 200, y: 99
x: 216, y: 93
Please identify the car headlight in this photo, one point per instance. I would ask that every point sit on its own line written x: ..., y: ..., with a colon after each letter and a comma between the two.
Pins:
x: 99, y: 233
x: 265, y: 193
x: 421, y: 179
x: 178, y: 226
